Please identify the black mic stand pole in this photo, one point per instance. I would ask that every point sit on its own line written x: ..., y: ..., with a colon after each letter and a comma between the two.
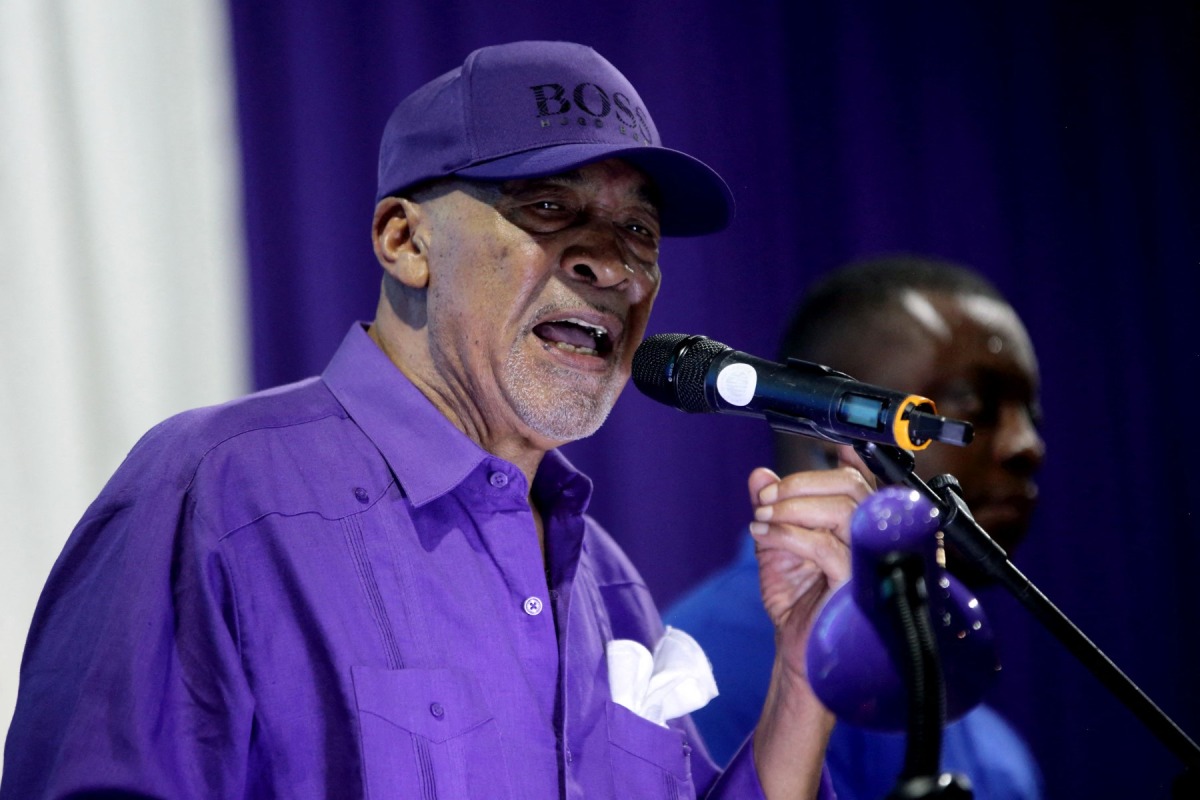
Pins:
x: 902, y: 584
x: 895, y: 466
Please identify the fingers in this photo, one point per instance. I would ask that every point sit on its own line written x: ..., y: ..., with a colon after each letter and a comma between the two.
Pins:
x: 846, y: 481
x: 766, y: 487
x: 820, y: 500
x: 830, y: 514
x: 789, y: 550
x: 805, y: 518
x: 760, y: 478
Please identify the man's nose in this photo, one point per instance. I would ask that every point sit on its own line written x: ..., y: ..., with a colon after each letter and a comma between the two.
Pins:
x: 600, y: 258
x: 602, y: 273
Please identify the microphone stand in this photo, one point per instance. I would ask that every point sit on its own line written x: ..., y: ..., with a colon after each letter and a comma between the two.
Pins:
x: 905, y: 592
x: 896, y: 466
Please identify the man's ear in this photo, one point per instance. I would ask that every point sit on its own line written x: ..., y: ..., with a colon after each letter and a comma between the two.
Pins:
x: 397, y: 247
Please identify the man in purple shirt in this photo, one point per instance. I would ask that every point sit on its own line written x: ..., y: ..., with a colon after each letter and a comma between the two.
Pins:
x: 381, y: 581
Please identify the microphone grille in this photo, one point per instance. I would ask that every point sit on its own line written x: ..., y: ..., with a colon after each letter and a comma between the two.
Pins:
x: 652, y: 366
x: 670, y: 368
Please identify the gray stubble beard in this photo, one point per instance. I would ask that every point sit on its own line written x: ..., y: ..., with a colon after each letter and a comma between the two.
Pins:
x: 562, y: 416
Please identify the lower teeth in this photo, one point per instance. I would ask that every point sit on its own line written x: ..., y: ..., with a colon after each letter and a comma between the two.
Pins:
x: 573, y: 349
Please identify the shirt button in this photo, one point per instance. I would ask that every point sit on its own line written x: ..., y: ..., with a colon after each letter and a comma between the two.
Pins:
x: 498, y: 479
x: 437, y: 710
x: 362, y: 495
x: 567, y: 754
x: 533, y: 606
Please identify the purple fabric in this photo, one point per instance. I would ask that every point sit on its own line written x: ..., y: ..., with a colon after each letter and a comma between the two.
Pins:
x: 327, y: 590
x: 1052, y: 145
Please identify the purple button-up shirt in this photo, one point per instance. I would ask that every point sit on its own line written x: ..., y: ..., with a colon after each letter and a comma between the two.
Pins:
x: 327, y: 590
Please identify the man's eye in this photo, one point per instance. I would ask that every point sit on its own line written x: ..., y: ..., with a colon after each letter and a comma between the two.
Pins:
x: 643, y: 235
x: 542, y: 216
x: 962, y: 404
x: 551, y: 208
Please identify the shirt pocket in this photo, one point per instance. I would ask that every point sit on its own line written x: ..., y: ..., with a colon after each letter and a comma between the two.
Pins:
x: 427, y: 733
x: 648, y: 760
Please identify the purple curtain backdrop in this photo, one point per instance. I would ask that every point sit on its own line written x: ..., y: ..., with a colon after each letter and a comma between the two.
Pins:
x: 1054, y: 146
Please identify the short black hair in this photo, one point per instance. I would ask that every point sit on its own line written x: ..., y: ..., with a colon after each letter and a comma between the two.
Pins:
x: 838, y: 303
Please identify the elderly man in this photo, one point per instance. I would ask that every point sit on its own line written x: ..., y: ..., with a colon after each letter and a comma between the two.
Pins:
x: 381, y: 582
x: 943, y: 332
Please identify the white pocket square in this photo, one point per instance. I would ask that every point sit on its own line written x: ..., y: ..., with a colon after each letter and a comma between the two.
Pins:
x: 676, y: 680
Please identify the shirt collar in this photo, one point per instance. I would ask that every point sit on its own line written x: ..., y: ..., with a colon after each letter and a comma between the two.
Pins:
x: 428, y: 455
x: 559, y: 483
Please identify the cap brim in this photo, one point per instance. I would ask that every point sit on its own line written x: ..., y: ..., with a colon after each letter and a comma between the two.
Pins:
x: 695, y: 199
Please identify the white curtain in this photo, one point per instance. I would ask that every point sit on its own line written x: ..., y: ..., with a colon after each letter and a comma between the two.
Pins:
x: 121, y: 258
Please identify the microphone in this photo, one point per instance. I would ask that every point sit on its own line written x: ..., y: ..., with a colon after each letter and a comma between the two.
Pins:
x: 699, y: 375
x: 856, y: 657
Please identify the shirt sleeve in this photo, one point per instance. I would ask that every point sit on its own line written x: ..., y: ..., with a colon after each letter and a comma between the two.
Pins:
x: 131, y: 683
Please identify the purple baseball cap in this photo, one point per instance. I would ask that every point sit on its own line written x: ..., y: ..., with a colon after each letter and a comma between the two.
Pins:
x: 531, y: 109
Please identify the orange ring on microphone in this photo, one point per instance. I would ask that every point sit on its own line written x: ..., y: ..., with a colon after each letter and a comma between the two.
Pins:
x: 900, y: 423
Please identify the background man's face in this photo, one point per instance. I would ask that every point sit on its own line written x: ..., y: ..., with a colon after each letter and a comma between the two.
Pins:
x: 972, y: 356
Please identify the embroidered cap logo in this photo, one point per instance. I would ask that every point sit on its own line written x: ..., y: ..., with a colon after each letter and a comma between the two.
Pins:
x: 595, y: 104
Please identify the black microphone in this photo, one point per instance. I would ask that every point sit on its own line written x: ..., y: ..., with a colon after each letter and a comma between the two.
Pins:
x: 699, y: 375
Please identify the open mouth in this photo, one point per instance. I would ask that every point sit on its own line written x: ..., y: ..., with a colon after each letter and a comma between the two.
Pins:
x: 575, y: 336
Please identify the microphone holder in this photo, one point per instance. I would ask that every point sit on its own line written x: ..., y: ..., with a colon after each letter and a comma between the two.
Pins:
x: 896, y: 466
x: 904, y: 590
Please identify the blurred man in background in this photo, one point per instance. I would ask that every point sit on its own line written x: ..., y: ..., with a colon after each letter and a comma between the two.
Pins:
x: 943, y: 332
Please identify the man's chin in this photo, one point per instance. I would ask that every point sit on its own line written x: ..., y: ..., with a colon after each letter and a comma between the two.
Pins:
x: 567, y: 422
x: 560, y: 405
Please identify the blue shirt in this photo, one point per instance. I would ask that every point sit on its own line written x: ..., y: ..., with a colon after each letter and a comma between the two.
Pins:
x: 726, y: 616
x: 327, y: 590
